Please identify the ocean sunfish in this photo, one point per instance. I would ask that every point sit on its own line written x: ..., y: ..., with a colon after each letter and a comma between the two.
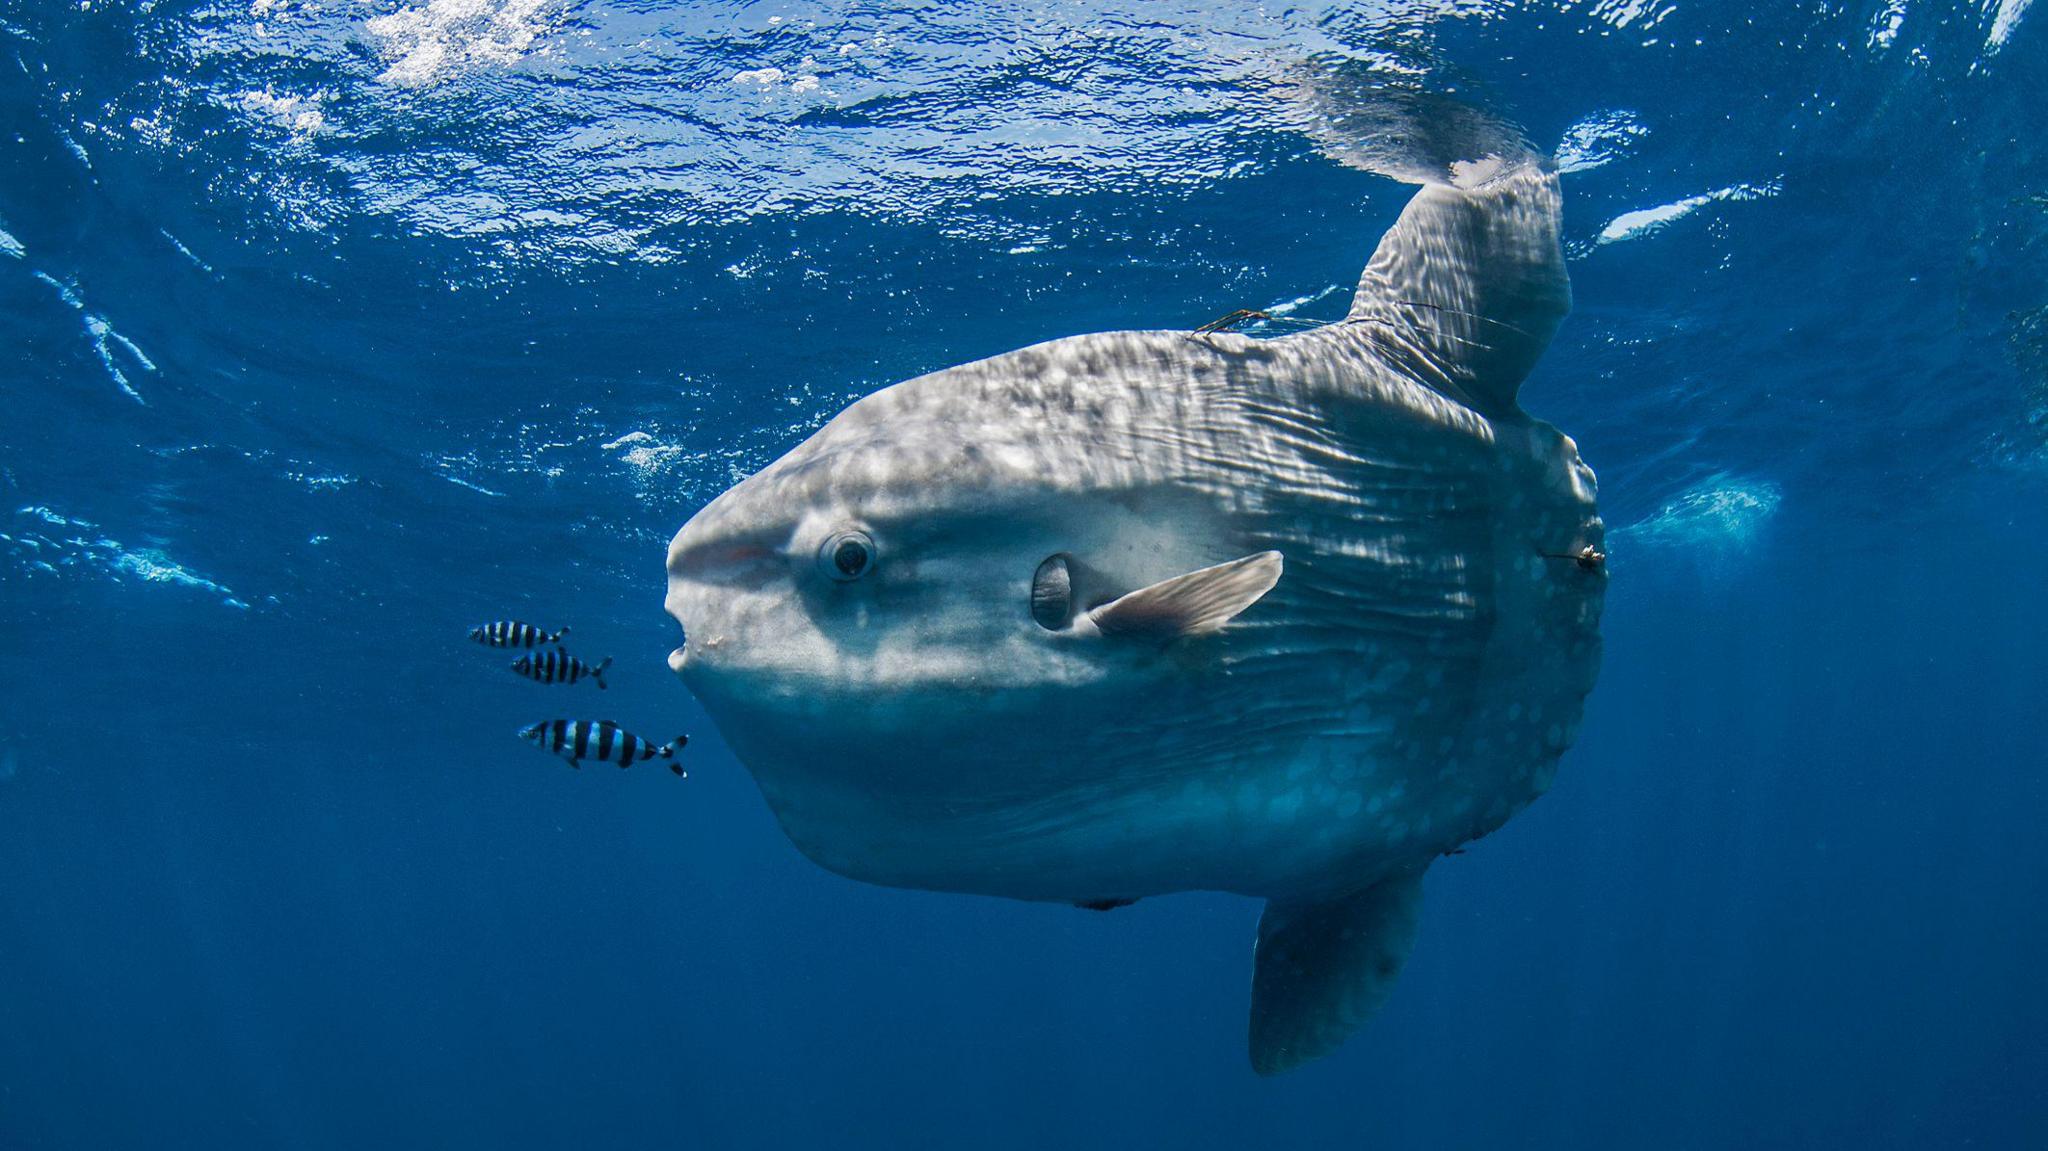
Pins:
x: 1142, y: 612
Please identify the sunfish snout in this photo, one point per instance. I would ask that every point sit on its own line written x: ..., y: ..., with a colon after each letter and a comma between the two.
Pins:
x: 721, y: 582
x: 699, y: 566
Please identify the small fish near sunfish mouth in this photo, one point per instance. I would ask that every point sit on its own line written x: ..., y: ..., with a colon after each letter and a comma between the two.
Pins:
x: 513, y: 633
x: 559, y: 667
x: 1141, y: 612
x: 602, y: 740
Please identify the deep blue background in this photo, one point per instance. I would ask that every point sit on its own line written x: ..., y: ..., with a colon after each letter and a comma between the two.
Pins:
x: 274, y: 872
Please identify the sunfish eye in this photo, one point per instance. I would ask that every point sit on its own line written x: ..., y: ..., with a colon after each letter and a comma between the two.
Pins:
x: 847, y: 555
x: 1052, y: 594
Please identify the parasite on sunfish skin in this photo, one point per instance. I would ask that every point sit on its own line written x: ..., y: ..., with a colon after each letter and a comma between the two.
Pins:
x: 559, y: 667
x: 513, y: 633
x: 579, y: 739
x: 1588, y: 558
x: 1226, y: 323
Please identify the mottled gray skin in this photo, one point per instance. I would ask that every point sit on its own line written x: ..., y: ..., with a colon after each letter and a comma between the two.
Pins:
x: 1407, y: 686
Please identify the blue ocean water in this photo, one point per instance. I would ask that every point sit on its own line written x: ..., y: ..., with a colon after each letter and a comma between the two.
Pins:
x: 328, y: 330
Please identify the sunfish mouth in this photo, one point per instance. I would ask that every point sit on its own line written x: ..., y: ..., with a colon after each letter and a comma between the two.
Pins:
x: 681, y: 656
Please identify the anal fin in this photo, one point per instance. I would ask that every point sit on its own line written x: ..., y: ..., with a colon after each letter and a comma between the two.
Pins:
x: 1320, y: 970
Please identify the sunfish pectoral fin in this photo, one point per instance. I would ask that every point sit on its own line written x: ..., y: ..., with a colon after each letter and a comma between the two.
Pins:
x: 1320, y: 970
x: 1200, y: 601
x: 1472, y: 282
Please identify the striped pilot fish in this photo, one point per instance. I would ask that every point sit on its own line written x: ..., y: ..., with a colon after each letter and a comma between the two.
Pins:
x: 559, y: 666
x: 512, y: 633
x: 579, y: 739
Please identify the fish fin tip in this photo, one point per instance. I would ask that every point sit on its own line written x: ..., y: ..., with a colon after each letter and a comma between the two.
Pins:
x: 1321, y: 969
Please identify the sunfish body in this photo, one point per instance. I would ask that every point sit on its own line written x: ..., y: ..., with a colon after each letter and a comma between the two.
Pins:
x: 1142, y: 612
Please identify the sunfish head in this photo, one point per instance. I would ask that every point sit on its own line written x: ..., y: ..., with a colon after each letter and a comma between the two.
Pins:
x: 888, y: 582
x: 901, y: 615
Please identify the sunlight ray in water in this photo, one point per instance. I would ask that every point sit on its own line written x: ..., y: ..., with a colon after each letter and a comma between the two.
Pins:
x: 77, y: 546
x: 1721, y: 513
x: 1645, y: 221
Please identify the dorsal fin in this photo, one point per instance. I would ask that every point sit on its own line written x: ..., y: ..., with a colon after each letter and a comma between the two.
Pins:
x: 1471, y: 283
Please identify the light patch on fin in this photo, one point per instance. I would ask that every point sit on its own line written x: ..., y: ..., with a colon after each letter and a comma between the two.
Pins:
x: 1471, y: 284
x: 1320, y: 970
x: 1359, y: 119
x: 1191, y: 604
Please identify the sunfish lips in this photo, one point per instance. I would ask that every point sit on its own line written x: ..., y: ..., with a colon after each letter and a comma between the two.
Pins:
x: 693, y: 654
x: 707, y: 570
x: 684, y: 600
x: 706, y: 614
x: 699, y: 608
x: 686, y: 605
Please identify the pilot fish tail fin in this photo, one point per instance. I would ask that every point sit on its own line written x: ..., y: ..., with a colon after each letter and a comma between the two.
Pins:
x: 557, y: 637
x: 1470, y: 284
x: 597, y: 672
x: 1321, y: 969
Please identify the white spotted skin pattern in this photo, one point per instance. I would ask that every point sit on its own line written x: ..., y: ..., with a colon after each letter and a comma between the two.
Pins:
x: 1408, y: 685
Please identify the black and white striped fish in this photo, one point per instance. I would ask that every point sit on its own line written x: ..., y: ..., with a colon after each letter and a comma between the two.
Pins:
x: 579, y: 739
x: 512, y: 633
x: 559, y: 667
